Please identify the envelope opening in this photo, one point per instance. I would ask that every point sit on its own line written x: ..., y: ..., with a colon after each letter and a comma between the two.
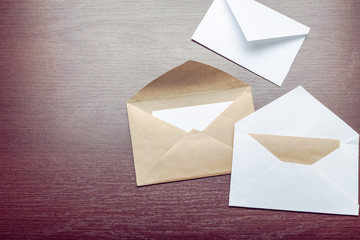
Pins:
x: 300, y: 150
x: 257, y: 45
x: 189, y: 112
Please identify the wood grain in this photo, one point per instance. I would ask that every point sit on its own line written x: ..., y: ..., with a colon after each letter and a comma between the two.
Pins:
x: 66, y: 70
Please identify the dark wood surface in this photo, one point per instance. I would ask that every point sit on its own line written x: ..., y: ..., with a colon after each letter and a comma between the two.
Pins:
x: 66, y: 70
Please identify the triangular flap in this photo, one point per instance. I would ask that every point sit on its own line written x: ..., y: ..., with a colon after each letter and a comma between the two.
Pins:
x: 194, y: 156
x: 259, y: 22
x: 302, y: 150
x: 297, y: 113
x: 189, y: 78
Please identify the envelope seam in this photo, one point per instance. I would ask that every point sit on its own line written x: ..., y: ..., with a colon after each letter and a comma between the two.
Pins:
x: 335, y: 185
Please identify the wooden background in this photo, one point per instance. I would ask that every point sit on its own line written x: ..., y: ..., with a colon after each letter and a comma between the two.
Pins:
x: 66, y: 70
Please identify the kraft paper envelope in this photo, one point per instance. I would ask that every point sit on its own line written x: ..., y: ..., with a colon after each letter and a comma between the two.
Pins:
x: 253, y: 36
x: 182, y: 123
x: 295, y: 154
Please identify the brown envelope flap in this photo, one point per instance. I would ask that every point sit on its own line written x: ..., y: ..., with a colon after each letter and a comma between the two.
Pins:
x: 150, y: 137
x: 190, y: 100
x: 301, y: 150
x: 189, y: 78
x: 222, y: 128
x: 194, y: 156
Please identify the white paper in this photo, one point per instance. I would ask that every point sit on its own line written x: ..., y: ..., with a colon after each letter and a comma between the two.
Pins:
x: 252, y: 35
x: 260, y: 180
x: 192, y: 117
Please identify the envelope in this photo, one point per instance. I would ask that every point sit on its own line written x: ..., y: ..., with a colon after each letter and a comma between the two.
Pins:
x: 182, y: 123
x: 295, y: 154
x: 253, y: 36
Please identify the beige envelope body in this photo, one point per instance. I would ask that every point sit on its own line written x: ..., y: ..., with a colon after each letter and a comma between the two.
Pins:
x: 165, y: 153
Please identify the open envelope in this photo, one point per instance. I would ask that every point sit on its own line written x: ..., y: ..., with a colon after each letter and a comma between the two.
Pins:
x: 182, y: 123
x: 295, y: 154
x: 253, y: 36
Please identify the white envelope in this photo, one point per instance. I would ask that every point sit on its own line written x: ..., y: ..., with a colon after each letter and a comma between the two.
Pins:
x: 295, y: 154
x: 253, y: 36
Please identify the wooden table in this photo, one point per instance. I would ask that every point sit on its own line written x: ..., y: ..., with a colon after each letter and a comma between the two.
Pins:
x: 66, y: 70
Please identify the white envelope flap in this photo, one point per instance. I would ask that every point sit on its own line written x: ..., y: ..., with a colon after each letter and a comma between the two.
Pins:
x: 297, y: 113
x: 259, y: 22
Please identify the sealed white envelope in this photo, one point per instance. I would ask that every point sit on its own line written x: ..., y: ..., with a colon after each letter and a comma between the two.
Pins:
x: 295, y: 154
x: 253, y: 36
